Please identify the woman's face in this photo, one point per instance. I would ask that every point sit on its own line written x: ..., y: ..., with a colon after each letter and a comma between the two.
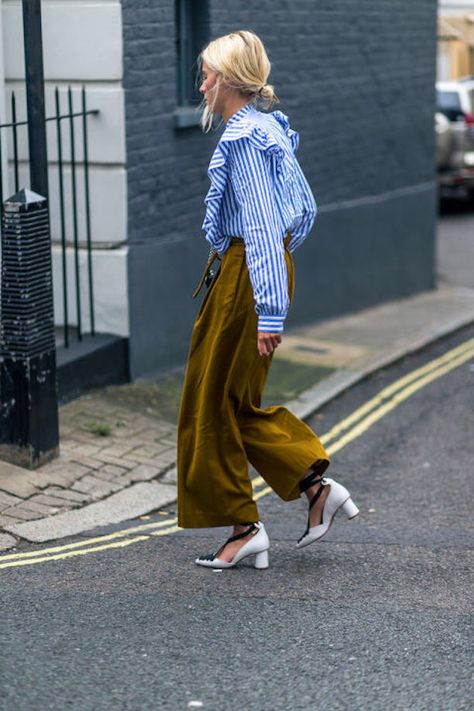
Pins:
x: 212, y: 90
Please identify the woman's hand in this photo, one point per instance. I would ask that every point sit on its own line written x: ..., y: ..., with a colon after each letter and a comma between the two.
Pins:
x: 267, y: 342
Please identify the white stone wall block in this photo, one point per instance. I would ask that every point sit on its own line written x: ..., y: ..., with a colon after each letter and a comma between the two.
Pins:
x: 109, y: 279
x: 3, y: 138
x: 105, y: 130
x: 108, y: 204
x: 81, y: 40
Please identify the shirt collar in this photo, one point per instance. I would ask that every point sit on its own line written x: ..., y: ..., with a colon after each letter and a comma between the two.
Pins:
x: 239, y: 114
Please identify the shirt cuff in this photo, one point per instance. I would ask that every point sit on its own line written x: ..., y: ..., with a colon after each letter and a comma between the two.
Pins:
x: 271, y: 324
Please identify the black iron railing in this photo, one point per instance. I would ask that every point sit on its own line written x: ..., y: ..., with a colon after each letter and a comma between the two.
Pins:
x: 70, y: 116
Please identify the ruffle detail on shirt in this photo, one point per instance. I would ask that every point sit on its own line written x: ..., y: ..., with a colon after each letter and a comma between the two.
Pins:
x: 218, y: 172
x: 284, y: 122
x: 262, y: 140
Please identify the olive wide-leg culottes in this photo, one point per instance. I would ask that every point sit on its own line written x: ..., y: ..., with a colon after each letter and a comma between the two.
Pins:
x: 221, y: 424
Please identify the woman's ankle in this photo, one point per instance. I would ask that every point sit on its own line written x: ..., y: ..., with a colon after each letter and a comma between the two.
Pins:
x: 307, y: 473
x: 241, y: 528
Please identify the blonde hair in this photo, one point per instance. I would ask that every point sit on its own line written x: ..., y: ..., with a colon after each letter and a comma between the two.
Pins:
x: 240, y: 60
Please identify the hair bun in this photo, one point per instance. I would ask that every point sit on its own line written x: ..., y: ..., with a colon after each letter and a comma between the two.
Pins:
x: 267, y: 93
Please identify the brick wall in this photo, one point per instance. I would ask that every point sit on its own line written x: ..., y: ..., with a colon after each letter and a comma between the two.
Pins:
x: 357, y: 81
x: 166, y: 166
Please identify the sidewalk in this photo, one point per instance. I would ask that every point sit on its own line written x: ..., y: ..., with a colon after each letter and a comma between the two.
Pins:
x: 118, y: 444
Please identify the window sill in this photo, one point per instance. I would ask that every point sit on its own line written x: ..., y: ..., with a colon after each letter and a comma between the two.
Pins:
x: 186, y: 116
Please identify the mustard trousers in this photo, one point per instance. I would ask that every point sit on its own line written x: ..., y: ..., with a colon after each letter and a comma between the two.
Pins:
x: 221, y: 424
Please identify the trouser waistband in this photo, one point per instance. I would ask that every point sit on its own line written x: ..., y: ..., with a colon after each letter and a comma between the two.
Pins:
x: 234, y: 242
x: 240, y: 241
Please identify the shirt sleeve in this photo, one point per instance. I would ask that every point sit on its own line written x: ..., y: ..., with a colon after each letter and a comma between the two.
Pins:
x: 303, y: 228
x: 252, y: 177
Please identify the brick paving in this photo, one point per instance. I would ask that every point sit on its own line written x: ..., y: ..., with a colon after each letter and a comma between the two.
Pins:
x: 104, y: 448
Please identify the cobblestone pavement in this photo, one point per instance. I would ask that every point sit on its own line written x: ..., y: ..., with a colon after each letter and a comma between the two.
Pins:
x: 103, y: 449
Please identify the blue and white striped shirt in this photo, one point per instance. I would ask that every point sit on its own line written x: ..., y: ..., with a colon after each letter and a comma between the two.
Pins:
x: 259, y: 192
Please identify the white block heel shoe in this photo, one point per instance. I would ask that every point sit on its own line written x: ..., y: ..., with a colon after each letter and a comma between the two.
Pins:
x: 258, y: 546
x: 338, y: 498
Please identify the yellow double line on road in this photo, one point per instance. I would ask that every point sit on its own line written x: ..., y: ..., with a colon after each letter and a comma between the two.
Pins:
x: 93, y: 545
x: 339, y: 436
x: 390, y: 397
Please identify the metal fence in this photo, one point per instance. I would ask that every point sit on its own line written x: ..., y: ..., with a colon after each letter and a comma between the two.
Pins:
x: 65, y: 121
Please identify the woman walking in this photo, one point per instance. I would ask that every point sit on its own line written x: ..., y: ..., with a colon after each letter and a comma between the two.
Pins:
x: 259, y: 209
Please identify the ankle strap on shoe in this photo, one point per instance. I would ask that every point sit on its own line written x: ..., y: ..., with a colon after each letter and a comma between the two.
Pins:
x: 313, y: 478
x: 238, y: 536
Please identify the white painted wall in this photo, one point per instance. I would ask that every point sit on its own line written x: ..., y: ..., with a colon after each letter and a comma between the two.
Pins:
x: 82, y: 42
x: 109, y: 279
x: 107, y: 177
x: 443, y: 68
x: 455, y: 7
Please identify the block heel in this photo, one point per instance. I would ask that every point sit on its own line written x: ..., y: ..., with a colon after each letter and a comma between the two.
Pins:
x: 261, y: 560
x: 349, y: 508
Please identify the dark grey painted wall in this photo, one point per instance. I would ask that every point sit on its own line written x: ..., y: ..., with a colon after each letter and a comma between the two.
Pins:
x: 357, y: 80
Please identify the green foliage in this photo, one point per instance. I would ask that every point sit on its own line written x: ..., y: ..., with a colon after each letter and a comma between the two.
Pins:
x: 100, y: 429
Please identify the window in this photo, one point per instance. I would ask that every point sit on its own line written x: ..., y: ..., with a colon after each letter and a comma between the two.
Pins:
x: 192, y: 22
x: 449, y: 104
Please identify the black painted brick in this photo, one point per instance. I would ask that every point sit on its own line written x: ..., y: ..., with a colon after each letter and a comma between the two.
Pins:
x: 356, y: 78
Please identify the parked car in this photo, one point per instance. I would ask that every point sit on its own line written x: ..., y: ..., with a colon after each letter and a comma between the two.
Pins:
x: 454, y: 122
x: 444, y: 140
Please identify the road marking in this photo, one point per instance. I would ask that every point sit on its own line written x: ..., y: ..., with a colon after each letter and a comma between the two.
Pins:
x: 70, y: 554
x: 362, y: 419
x: 398, y: 397
x: 263, y: 492
x: 87, y: 541
x: 42, y: 558
x: 387, y: 392
x: 166, y: 531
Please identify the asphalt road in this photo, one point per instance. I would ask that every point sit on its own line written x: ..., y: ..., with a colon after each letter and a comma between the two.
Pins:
x: 375, y: 616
